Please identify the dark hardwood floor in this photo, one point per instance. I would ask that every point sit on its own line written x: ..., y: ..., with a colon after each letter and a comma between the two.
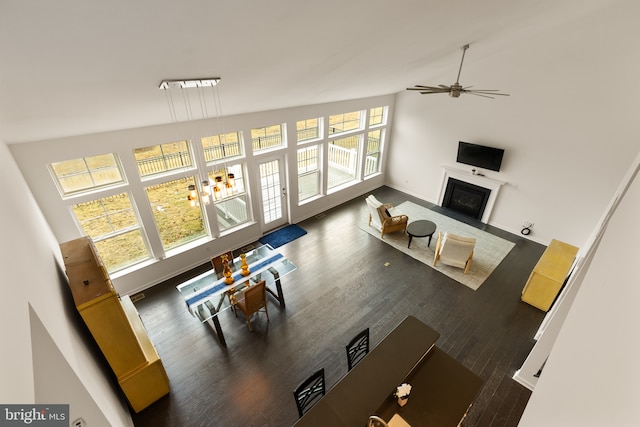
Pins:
x: 342, y: 285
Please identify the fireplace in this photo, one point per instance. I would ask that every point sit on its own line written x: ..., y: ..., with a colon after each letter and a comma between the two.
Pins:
x: 466, y: 198
x: 474, y: 182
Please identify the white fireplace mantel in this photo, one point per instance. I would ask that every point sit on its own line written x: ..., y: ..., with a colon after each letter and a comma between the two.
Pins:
x: 480, y: 180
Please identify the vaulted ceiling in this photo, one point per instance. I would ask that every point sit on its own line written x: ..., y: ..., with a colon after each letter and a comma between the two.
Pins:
x: 72, y: 67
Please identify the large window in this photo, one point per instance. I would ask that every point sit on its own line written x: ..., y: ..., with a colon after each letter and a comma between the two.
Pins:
x: 345, y: 122
x: 308, y: 129
x: 219, y: 147
x: 158, y: 159
x: 372, y: 156
x: 343, y: 160
x: 113, y: 225
x: 87, y: 173
x: 155, y: 214
x: 308, y: 172
x: 176, y: 221
x: 266, y: 138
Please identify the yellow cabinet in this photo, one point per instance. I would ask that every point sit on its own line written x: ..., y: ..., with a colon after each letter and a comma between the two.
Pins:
x: 115, y: 325
x: 549, y: 275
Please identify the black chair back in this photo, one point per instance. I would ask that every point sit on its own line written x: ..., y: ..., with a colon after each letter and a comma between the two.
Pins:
x: 357, y: 348
x: 309, y: 392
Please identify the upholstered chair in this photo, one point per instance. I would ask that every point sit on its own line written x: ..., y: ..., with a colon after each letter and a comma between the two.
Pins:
x: 384, y: 217
x: 453, y: 250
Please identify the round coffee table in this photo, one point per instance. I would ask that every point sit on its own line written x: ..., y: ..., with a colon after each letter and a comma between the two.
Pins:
x: 421, y: 228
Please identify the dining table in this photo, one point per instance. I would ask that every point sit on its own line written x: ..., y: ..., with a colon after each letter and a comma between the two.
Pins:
x: 442, y: 389
x: 207, y: 295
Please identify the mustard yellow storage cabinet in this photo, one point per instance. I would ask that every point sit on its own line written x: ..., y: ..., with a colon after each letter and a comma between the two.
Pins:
x: 115, y: 325
x: 549, y: 274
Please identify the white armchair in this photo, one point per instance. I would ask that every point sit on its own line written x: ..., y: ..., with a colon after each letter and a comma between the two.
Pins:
x: 454, y: 250
x: 384, y: 217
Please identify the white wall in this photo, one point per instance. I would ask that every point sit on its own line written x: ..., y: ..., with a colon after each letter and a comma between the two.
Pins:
x: 31, y: 276
x: 34, y: 157
x: 591, y: 376
x: 569, y: 126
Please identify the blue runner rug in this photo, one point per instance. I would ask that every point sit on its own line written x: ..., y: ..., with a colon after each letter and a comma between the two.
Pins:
x: 282, y: 236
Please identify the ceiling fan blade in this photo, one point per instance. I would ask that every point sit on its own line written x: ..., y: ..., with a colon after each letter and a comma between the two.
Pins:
x: 420, y: 87
x: 479, y: 94
x: 488, y: 92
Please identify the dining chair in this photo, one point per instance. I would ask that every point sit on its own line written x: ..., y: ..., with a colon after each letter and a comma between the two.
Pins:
x: 309, y: 392
x: 357, y: 348
x: 253, y: 300
x: 217, y: 263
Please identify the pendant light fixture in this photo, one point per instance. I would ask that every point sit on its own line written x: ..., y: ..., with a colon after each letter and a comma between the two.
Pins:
x: 182, y: 85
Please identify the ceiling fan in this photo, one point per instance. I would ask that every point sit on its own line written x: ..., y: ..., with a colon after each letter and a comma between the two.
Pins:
x: 456, y: 89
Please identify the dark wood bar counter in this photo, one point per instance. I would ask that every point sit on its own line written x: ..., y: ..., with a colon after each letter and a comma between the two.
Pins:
x: 442, y: 389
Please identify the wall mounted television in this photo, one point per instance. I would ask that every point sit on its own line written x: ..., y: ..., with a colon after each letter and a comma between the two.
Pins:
x: 480, y: 156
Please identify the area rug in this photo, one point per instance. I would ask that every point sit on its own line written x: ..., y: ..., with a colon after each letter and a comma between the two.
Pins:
x: 490, y: 250
x: 284, y: 235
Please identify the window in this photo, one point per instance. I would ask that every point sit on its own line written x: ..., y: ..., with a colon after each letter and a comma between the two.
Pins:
x: 87, y: 173
x: 345, y: 122
x: 267, y: 137
x: 343, y: 160
x: 231, y: 203
x: 377, y: 116
x: 176, y: 221
x: 158, y: 159
x: 308, y: 172
x: 372, y: 158
x: 112, y: 224
x: 219, y: 147
x: 307, y: 129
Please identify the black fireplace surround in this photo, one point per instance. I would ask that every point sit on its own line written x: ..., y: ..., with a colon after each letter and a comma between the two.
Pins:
x: 465, y: 198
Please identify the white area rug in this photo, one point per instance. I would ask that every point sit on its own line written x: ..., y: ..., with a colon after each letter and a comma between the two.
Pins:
x: 490, y: 250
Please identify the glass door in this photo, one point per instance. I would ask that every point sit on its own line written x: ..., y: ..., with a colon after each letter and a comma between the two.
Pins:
x: 274, y: 194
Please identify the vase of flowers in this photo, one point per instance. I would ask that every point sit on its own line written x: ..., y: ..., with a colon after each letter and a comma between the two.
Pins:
x: 402, y: 393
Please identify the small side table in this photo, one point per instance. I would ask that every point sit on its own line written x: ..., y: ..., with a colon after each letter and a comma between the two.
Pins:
x: 421, y: 228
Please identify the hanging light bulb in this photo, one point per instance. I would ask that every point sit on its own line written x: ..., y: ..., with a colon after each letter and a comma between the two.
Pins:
x: 219, y: 184
x: 193, y: 196
x: 206, y: 192
x: 217, y: 193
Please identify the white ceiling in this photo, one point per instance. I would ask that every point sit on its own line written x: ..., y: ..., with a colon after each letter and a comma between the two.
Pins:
x: 72, y: 67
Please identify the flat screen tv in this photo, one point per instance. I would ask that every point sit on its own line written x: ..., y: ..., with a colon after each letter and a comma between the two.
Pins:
x: 480, y: 156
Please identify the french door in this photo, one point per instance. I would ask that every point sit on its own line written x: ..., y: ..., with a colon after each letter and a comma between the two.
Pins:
x: 273, y: 194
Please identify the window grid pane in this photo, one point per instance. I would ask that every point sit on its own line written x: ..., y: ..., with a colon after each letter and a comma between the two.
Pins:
x: 372, y: 160
x: 266, y: 138
x: 307, y: 129
x: 376, y: 116
x: 157, y: 159
x: 88, y: 173
x: 308, y: 172
x: 176, y: 221
x: 343, y: 161
x: 113, y: 225
x: 219, y: 147
x: 344, y: 122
